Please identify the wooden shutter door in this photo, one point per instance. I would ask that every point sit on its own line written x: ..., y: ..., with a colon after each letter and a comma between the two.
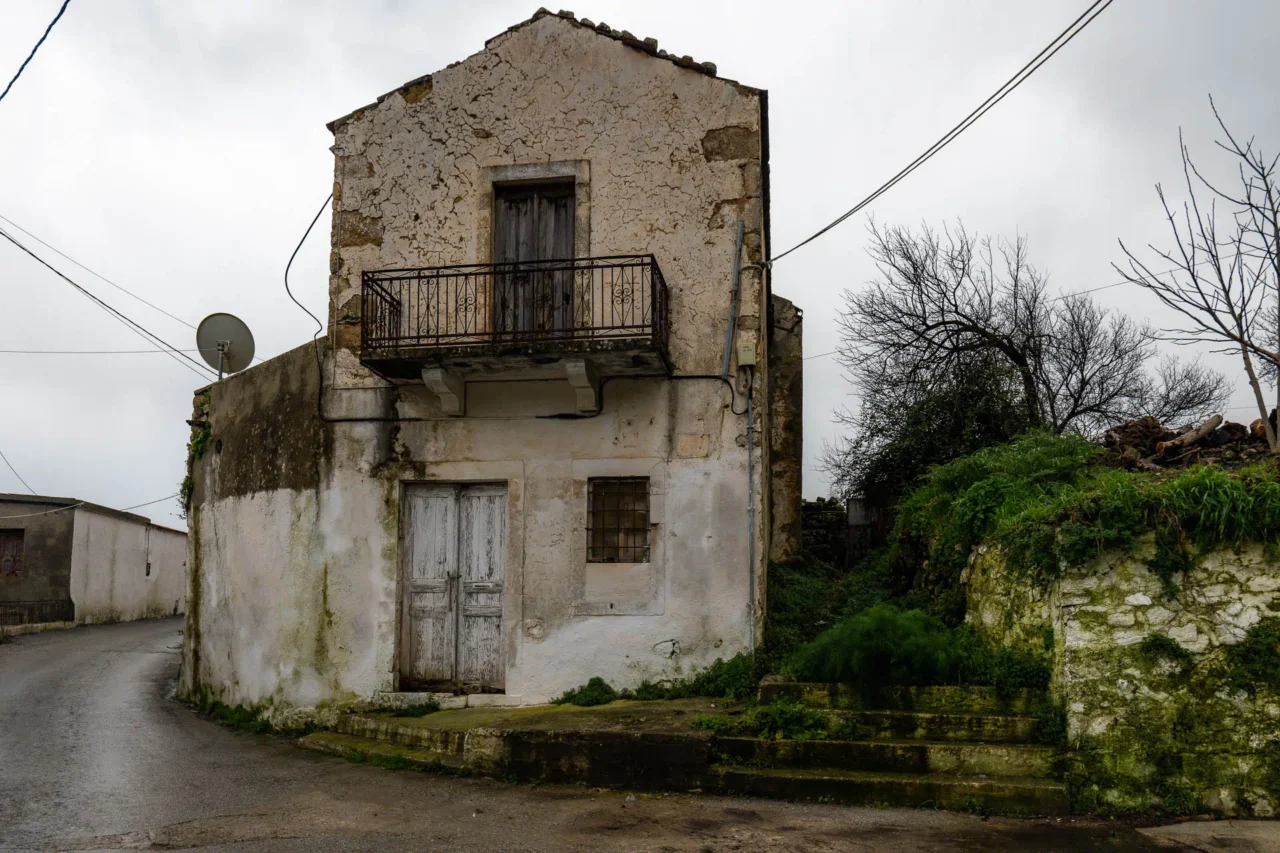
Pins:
x: 430, y: 616
x: 533, y: 223
x: 482, y: 540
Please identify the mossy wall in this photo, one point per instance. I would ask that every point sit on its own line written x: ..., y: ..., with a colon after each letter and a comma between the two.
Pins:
x: 1154, y: 725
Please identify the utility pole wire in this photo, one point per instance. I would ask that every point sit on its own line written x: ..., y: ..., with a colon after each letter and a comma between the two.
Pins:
x: 996, y: 97
x: 151, y: 337
x: 94, y: 273
x: 32, y: 55
x: 15, y: 472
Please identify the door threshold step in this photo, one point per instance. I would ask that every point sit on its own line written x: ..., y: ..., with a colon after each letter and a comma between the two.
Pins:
x: 892, y: 756
x: 381, y: 753
x: 1013, y: 795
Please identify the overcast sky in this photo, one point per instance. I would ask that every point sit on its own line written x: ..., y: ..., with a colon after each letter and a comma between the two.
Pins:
x: 179, y: 149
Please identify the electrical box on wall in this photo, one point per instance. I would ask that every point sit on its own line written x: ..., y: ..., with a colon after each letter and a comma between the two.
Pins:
x: 746, y: 353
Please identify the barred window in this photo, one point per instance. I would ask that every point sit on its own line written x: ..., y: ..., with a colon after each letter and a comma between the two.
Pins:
x: 618, y: 520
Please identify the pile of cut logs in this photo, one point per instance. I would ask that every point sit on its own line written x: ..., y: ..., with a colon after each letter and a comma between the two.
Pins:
x: 1145, y: 444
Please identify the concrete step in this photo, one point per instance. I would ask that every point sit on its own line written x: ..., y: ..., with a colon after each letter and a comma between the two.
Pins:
x: 402, y: 731
x: 373, y: 751
x: 894, y: 756
x: 937, y: 700
x: 916, y: 725
x: 1017, y: 795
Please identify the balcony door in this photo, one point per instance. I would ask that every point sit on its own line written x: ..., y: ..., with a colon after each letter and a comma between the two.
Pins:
x: 533, y: 228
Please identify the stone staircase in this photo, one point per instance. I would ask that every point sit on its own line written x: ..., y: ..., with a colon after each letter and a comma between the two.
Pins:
x: 946, y: 747
x: 941, y: 747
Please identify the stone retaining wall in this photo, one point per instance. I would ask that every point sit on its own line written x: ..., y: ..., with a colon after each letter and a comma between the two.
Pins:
x: 1153, y: 728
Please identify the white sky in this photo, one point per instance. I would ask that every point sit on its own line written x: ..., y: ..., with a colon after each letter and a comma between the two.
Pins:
x: 179, y: 148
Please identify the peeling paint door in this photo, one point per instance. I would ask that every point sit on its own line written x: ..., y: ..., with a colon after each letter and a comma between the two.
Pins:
x: 534, y: 223
x: 454, y: 563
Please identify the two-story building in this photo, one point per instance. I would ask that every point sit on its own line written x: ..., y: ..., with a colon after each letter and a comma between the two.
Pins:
x: 553, y: 430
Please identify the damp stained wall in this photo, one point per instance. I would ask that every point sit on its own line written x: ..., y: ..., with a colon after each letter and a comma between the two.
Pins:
x: 123, y: 568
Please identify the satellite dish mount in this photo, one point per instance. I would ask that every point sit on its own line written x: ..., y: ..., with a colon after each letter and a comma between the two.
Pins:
x: 225, y: 342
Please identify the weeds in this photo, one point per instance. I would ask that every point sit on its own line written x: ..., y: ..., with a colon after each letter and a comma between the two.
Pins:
x: 783, y: 720
x: 1255, y: 662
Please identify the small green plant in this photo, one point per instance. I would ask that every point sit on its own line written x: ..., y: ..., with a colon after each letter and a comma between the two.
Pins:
x: 733, y: 679
x: 1178, y: 799
x: 974, y: 805
x: 595, y: 692
x: 787, y: 721
x: 718, y: 724
x: 1254, y: 663
x: 1158, y: 646
x: 239, y: 717
x: 421, y: 709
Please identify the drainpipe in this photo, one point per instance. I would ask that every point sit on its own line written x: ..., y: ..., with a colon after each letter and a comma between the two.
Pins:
x: 733, y: 304
x: 751, y: 514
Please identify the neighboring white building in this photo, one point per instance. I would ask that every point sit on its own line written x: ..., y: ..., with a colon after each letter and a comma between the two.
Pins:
x: 514, y: 464
x: 64, y: 560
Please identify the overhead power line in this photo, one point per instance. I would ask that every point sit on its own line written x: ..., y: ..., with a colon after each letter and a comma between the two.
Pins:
x: 1093, y: 11
x: 15, y: 472
x: 90, y: 351
x: 32, y: 55
x: 82, y: 503
x: 177, y: 355
x: 94, y: 273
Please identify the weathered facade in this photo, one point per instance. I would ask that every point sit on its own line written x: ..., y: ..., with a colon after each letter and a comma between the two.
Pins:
x: 63, y: 560
x: 538, y: 443
x: 1153, y: 721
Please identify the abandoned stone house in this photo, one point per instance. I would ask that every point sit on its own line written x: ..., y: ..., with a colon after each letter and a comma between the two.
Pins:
x: 64, y: 560
x: 553, y: 430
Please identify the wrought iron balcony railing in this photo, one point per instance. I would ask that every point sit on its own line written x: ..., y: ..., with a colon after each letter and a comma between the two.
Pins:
x: 482, y: 306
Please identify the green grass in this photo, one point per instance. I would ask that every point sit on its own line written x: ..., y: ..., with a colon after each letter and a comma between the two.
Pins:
x: 1043, y: 499
x: 782, y: 720
x: 595, y: 692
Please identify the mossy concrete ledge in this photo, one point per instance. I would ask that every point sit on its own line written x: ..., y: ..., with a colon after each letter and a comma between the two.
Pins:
x: 1143, y: 669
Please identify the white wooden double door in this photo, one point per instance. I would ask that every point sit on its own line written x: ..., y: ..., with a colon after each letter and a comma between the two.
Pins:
x: 453, y: 560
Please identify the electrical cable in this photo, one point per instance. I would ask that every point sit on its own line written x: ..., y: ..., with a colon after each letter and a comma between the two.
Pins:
x: 82, y: 503
x: 94, y: 273
x: 89, y: 351
x: 15, y: 472
x: 996, y: 97
x: 32, y: 55
x: 203, y: 372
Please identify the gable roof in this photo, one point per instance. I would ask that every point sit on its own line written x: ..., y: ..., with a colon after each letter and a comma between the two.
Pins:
x: 644, y: 45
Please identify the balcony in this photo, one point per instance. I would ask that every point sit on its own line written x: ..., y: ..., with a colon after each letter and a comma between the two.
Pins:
x: 584, y: 317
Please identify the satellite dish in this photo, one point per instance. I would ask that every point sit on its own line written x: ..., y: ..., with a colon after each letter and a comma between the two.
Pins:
x: 225, y: 342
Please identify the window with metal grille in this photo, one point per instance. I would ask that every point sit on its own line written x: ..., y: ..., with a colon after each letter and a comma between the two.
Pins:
x: 618, y: 520
x: 10, y: 553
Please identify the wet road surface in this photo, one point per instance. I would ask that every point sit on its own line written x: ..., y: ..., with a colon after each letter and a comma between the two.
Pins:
x: 95, y: 755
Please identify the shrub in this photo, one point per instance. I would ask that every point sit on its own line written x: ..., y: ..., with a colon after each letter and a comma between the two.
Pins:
x: 884, y: 646
x: 881, y: 645
x: 1255, y: 662
x: 595, y: 692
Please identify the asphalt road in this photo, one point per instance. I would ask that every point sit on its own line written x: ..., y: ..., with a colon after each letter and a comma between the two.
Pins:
x: 96, y: 755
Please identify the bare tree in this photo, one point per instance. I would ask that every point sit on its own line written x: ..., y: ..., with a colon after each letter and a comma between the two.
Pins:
x: 943, y: 297
x: 1225, y: 278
